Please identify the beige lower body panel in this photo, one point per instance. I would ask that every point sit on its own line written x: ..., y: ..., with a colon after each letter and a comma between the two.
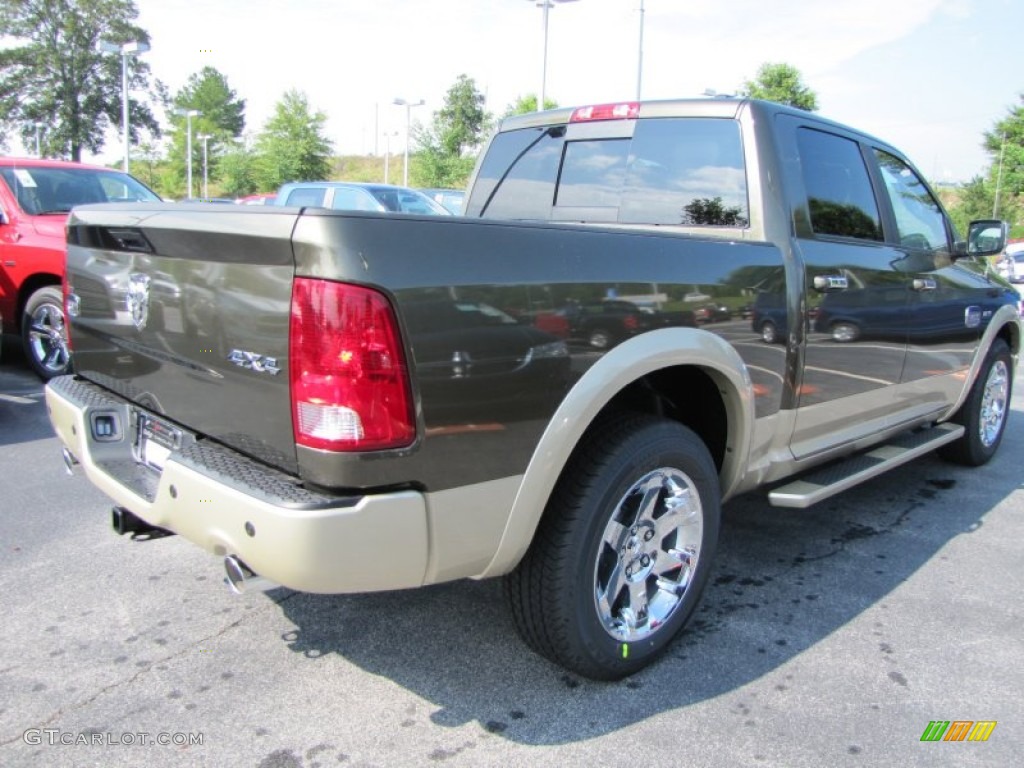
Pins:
x: 379, y: 542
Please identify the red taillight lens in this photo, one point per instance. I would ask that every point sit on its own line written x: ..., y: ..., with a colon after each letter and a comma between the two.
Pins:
x: 627, y: 110
x: 630, y: 322
x: 349, y: 379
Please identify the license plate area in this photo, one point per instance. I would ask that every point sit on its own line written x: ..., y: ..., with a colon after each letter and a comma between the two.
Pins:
x: 155, y: 439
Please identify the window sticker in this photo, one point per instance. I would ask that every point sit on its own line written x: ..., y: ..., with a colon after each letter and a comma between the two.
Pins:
x: 24, y: 177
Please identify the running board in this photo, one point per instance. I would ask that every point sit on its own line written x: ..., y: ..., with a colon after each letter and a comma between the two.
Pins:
x: 838, y: 476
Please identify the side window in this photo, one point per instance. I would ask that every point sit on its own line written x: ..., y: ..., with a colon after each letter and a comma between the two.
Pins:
x: 519, y: 170
x: 919, y: 219
x: 839, y: 194
x: 306, y: 197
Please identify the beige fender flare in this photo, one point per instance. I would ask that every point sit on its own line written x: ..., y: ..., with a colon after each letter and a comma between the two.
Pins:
x: 623, y: 365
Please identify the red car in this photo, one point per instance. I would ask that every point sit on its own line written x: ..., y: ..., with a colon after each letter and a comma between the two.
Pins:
x: 35, y: 197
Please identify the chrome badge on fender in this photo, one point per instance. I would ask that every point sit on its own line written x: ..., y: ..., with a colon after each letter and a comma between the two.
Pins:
x: 254, y: 362
x: 138, y: 299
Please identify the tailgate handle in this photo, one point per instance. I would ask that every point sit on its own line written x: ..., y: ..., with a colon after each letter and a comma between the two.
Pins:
x: 130, y: 240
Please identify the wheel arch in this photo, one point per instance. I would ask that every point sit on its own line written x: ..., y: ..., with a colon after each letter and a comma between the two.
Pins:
x: 648, y: 373
x: 29, y: 287
x: 1006, y: 324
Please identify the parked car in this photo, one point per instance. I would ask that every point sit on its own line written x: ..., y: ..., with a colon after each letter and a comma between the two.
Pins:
x: 354, y: 196
x: 711, y: 313
x: 35, y: 198
x: 451, y: 199
x: 1011, y: 265
x: 603, y: 324
x: 262, y: 198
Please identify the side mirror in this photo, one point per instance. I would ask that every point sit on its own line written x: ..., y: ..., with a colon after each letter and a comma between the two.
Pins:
x: 986, y: 237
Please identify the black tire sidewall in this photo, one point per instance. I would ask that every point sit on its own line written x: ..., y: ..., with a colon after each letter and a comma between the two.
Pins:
x: 653, y: 446
x: 46, y: 295
x: 970, y: 416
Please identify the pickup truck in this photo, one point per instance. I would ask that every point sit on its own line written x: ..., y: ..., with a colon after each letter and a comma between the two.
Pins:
x: 35, y: 198
x: 340, y: 401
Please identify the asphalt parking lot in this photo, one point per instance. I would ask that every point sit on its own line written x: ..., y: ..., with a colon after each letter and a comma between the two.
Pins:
x: 830, y: 636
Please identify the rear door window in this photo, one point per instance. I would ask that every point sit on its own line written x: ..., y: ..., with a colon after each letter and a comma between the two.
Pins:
x: 840, y: 199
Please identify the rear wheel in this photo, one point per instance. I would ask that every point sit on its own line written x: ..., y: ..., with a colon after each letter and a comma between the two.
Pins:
x: 844, y: 332
x: 623, y: 551
x: 984, y: 412
x: 769, y: 333
x: 44, y: 335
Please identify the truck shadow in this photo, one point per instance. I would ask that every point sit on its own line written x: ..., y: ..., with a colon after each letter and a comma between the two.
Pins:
x: 784, y: 580
x: 21, y: 399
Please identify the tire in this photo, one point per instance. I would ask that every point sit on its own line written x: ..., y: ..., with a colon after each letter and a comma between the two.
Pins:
x: 599, y: 338
x: 606, y: 586
x: 43, y: 334
x: 769, y: 333
x: 844, y: 332
x: 984, y: 412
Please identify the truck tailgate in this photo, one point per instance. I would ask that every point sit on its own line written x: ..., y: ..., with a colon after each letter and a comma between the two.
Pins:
x: 185, y: 312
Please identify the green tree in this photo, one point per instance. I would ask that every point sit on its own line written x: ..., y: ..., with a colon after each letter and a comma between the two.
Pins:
x: 292, y: 145
x: 523, y: 105
x: 54, y: 73
x: 238, y: 171
x: 222, y: 118
x: 1005, y: 145
x: 781, y: 83
x: 447, y: 148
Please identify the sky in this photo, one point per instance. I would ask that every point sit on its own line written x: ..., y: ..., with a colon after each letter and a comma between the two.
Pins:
x: 928, y: 76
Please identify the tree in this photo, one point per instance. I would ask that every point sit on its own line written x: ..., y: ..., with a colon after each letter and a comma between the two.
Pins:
x: 222, y: 118
x: 238, y: 169
x: 711, y: 211
x: 1005, y: 145
x: 292, y: 145
x: 446, y: 147
x: 523, y: 105
x: 783, y: 84
x: 55, y: 73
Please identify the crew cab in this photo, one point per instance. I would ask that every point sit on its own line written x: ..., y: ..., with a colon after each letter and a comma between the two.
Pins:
x: 343, y: 401
x: 35, y: 198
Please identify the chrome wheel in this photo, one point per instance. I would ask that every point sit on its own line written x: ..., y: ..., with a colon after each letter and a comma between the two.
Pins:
x: 648, y: 553
x: 995, y: 398
x: 600, y: 339
x: 47, y: 339
x: 844, y: 332
x: 768, y: 333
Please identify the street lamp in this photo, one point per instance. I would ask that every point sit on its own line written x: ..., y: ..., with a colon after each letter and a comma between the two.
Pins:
x: 545, y: 5
x: 387, y: 154
x: 188, y: 114
x: 38, y: 125
x: 408, y: 108
x: 205, y: 137
x: 126, y: 50
x: 640, y: 53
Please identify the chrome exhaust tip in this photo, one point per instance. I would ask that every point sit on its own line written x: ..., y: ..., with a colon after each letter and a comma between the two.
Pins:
x: 69, y: 461
x: 240, y: 578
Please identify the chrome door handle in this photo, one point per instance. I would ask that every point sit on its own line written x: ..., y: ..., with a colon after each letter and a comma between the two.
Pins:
x: 830, y: 282
x: 924, y: 284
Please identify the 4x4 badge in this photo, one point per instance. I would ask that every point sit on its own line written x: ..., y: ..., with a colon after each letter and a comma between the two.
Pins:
x: 138, y: 299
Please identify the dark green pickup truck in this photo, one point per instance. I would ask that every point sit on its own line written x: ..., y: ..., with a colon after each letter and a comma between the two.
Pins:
x: 345, y: 401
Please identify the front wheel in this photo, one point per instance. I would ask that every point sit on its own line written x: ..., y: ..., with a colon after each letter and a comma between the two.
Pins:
x: 623, y: 550
x: 984, y: 412
x: 43, y: 333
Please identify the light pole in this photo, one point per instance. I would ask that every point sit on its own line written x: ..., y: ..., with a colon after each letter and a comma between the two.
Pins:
x: 38, y: 125
x: 408, y: 108
x: 126, y: 50
x: 188, y: 115
x: 387, y: 154
x: 205, y: 137
x: 640, y: 53
x: 999, y: 176
x: 545, y: 5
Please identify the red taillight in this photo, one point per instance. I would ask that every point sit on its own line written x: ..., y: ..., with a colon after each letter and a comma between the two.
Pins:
x: 626, y: 110
x: 349, y: 379
x: 630, y: 322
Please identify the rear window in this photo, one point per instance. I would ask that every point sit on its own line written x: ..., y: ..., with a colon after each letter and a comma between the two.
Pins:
x: 54, y: 189
x: 676, y: 171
